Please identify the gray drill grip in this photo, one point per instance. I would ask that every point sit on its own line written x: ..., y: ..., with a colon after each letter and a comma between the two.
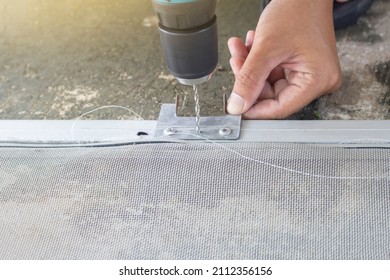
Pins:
x: 191, y: 54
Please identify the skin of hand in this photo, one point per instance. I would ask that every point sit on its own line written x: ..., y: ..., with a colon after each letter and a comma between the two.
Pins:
x: 289, y: 61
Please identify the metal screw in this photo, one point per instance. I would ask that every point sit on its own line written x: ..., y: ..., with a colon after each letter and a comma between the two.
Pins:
x: 170, y: 131
x: 225, y: 131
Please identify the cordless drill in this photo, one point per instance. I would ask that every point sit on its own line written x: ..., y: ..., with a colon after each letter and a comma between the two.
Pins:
x: 189, y: 37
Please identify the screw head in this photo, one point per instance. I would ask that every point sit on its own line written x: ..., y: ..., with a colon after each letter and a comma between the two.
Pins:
x: 169, y: 131
x: 225, y: 131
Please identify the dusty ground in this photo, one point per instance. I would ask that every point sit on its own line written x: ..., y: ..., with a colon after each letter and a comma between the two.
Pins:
x: 60, y: 59
x: 364, y: 50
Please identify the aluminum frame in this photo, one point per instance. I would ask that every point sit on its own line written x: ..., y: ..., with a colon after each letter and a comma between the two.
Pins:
x: 57, y: 132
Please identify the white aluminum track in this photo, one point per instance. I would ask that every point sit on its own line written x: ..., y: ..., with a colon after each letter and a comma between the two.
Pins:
x: 14, y: 132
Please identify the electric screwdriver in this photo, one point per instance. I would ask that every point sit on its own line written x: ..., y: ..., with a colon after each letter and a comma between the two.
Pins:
x: 189, y: 37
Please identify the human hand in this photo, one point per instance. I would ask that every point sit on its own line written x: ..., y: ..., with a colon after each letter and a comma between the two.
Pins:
x: 290, y: 60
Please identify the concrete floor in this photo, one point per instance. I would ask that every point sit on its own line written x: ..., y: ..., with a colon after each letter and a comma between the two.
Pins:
x: 59, y: 60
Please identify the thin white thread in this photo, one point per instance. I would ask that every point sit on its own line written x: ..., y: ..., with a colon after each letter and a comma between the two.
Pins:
x: 282, y: 167
x: 102, y: 108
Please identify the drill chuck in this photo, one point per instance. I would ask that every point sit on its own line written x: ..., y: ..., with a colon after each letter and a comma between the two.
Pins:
x: 189, y: 37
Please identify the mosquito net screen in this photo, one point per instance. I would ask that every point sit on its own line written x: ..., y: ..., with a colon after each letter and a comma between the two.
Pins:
x: 195, y: 201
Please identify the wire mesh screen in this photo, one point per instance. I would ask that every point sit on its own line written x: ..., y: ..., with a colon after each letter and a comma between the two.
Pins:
x: 195, y: 201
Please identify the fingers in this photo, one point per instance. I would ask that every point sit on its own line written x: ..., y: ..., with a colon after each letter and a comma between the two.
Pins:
x: 250, y: 36
x: 236, y: 64
x: 289, y: 98
x: 251, y: 78
x: 239, y: 51
x: 276, y: 74
x: 237, y: 48
x: 239, y: 54
x: 290, y: 60
x: 268, y: 92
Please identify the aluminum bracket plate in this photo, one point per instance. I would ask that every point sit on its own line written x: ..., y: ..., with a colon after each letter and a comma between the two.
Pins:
x: 169, y: 125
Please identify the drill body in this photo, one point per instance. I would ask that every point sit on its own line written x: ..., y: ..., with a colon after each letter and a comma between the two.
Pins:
x: 189, y: 37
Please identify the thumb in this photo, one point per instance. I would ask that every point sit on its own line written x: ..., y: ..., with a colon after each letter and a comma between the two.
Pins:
x: 250, y: 80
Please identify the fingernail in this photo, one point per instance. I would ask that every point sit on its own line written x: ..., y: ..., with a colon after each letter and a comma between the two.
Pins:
x: 247, y: 40
x: 235, y: 104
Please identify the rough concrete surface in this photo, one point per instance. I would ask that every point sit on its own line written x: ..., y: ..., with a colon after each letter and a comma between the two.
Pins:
x: 364, y: 50
x: 60, y: 59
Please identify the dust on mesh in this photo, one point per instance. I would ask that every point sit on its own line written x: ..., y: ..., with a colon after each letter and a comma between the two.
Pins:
x: 195, y: 201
